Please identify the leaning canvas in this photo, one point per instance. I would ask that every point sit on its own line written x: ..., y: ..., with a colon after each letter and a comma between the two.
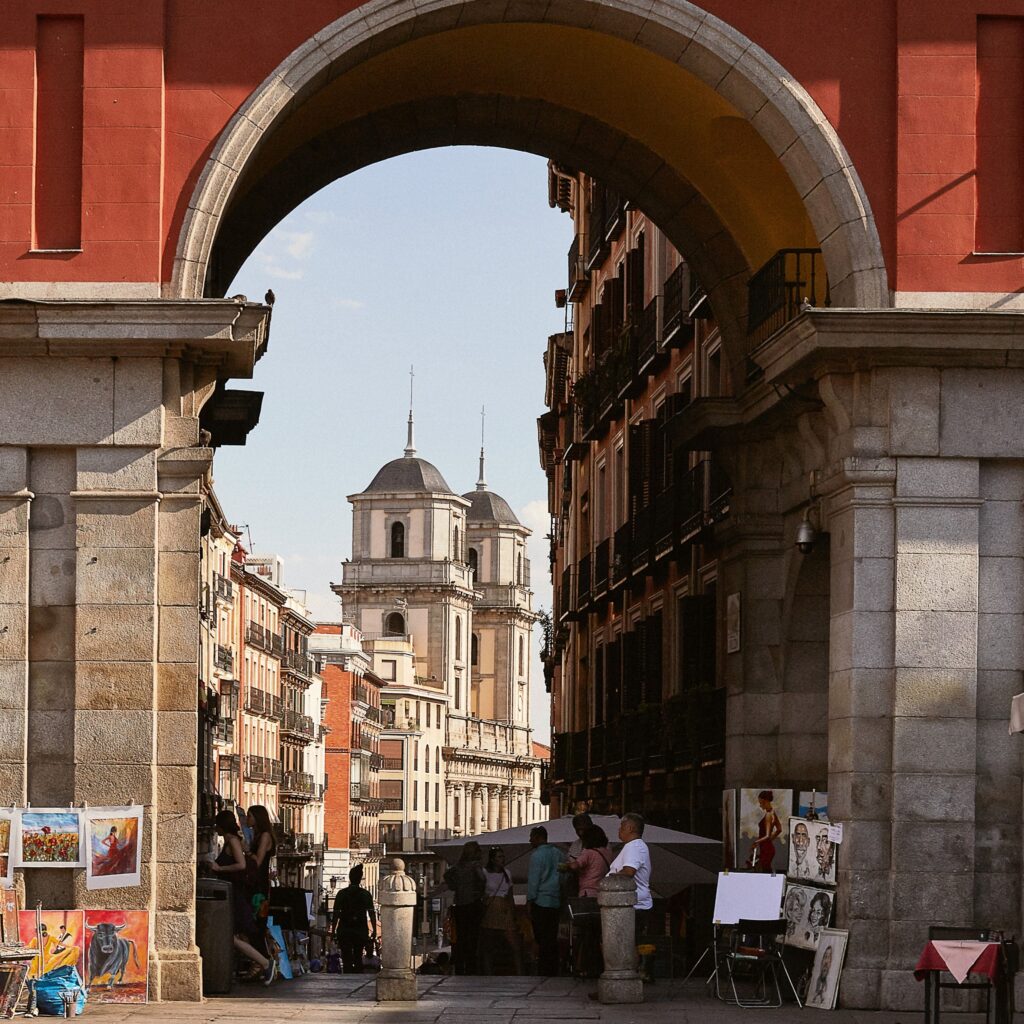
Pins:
x: 9, y: 914
x: 812, y: 804
x: 812, y: 855
x: 8, y: 819
x: 828, y: 964
x: 763, y: 842
x: 117, y: 955
x: 59, y: 933
x: 807, y: 911
x: 49, y: 838
x: 113, y: 838
x: 729, y: 829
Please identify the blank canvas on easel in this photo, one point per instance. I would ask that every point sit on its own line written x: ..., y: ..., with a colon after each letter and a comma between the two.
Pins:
x: 751, y: 895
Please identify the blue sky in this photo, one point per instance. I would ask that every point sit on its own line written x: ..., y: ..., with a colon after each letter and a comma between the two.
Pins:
x: 446, y: 259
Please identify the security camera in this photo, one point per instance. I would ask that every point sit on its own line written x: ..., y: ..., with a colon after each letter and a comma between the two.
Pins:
x: 805, y: 537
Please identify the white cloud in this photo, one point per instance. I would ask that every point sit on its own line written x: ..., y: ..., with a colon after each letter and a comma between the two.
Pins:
x: 288, y: 275
x: 320, y: 216
x: 348, y: 304
x: 299, y: 244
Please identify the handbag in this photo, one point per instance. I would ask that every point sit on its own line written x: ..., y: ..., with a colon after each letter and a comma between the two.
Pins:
x: 371, y: 958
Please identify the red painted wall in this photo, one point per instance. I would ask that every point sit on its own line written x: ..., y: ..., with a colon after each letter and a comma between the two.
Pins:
x: 899, y: 79
x: 338, y: 689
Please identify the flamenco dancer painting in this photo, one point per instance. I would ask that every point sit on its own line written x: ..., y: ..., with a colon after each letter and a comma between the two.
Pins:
x: 113, y: 840
x: 769, y: 828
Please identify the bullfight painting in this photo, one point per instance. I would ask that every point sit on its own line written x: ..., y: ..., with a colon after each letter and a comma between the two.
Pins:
x: 113, y: 836
x: 58, y: 933
x: 117, y: 955
x: 49, y: 838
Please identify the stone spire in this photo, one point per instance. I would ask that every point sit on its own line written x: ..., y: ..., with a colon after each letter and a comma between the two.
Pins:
x: 481, y: 483
x: 410, y: 444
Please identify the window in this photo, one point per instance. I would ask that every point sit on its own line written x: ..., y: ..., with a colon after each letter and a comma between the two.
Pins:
x: 418, y: 710
x: 437, y: 760
x: 458, y: 691
x: 456, y: 550
x: 519, y: 569
x: 473, y: 559
x: 437, y: 799
x: 474, y: 649
x: 456, y: 812
x: 416, y: 756
x: 426, y: 796
x: 522, y: 646
x: 394, y: 624
x: 426, y: 758
x: 458, y: 638
x: 397, y: 540
x: 389, y: 670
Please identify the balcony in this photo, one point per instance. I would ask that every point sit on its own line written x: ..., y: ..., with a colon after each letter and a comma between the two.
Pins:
x: 579, y: 278
x: 359, y: 791
x: 650, y: 356
x: 360, y: 840
x: 298, y: 663
x: 640, y: 548
x: 583, y: 582
x: 601, y: 567
x: 392, y: 764
x: 258, y: 702
x: 621, y: 567
x: 259, y: 637
x: 298, y: 786
x: 778, y: 290
x: 298, y: 726
x: 377, y: 850
x: 224, y: 731
x: 262, y: 769
x: 360, y: 694
x: 391, y: 803
x: 223, y: 588
x: 224, y: 658
x: 597, y: 247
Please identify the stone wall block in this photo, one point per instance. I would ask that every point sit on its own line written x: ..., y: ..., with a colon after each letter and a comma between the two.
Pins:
x: 1000, y: 641
x: 13, y: 521
x: 861, y: 640
x: 51, y: 576
x: 115, y: 740
x: 101, y: 784
x: 52, y: 522
x: 13, y: 632
x: 13, y: 469
x: 996, y: 687
x: 176, y: 886
x: 51, y: 635
x: 49, y: 732
x: 868, y: 945
x: 1002, y: 479
x: 113, y: 468
x: 116, y: 522
x: 866, y: 846
x: 176, y: 686
x: 12, y: 784
x: 115, y: 685
x: 936, y: 478
x: 914, y: 411
x: 860, y: 795
x: 998, y: 796
x: 949, y: 844
x: 1001, y: 584
x: 933, y: 797
x: 860, y: 692
x: 996, y: 899
x: 179, y: 526
x: 179, y: 578
x: 173, y: 930
x: 1001, y: 527
x: 12, y: 738
x: 179, y: 634
x: 937, y: 529
x: 860, y: 744
x: 802, y: 755
x: 943, y: 639
x: 998, y: 751
x: 177, y: 838
x: 133, y: 898
x: 997, y: 849
x: 112, y: 632
x: 931, y: 581
x: 860, y: 986
x: 14, y: 573
x: 916, y: 741
x: 936, y: 692
x: 862, y: 895
x: 13, y: 686
x: 138, y: 401
x: 119, y: 576
x: 176, y: 978
x: 982, y: 415
x: 806, y: 668
x: 750, y: 757
x: 176, y: 789
x: 176, y: 737
x: 899, y: 990
x: 930, y: 896
x: 873, y: 534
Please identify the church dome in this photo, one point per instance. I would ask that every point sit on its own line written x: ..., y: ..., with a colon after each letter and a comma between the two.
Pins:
x: 488, y: 507
x: 409, y: 474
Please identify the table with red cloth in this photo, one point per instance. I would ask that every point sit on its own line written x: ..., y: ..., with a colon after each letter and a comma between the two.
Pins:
x: 962, y: 957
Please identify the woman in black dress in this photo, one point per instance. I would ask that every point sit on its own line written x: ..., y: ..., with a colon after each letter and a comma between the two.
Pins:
x: 230, y: 865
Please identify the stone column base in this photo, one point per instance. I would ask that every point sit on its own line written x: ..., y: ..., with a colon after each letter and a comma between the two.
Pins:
x: 396, y: 986
x: 620, y: 987
x: 176, y: 977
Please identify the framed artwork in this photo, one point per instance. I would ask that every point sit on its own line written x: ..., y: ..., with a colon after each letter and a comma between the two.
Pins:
x: 9, y: 931
x: 763, y: 834
x: 812, y: 855
x: 59, y: 934
x: 49, y: 838
x: 807, y: 911
x: 8, y: 819
x: 117, y: 955
x: 812, y: 800
x: 113, y: 836
x: 732, y: 623
x: 828, y: 965
x: 728, y: 829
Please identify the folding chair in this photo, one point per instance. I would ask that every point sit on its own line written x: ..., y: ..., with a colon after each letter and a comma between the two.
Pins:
x: 755, y: 955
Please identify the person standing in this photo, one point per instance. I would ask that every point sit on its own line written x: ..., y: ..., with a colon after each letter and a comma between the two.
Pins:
x: 634, y: 861
x: 499, y: 930
x: 580, y: 824
x: 544, y: 898
x: 352, y: 907
x: 466, y: 880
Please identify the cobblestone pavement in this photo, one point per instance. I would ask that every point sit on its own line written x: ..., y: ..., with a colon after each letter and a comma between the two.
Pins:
x: 336, y: 999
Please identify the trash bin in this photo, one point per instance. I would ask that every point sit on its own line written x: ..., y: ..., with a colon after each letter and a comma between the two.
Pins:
x: 215, y: 929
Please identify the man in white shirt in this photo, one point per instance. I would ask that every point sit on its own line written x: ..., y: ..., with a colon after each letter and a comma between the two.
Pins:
x: 634, y: 861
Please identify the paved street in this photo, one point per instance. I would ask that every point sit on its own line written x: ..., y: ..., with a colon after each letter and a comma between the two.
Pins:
x: 350, y: 1000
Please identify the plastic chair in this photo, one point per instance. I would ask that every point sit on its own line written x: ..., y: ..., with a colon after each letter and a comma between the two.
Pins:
x: 755, y: 953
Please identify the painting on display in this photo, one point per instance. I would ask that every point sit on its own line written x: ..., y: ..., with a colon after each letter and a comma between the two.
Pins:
x: 828, y: 964
x: 763, y: 842
x: 728, y: 829
x: 49, y: 838
x: 9, y: 914
x: 112, y: 836
x: 117, y: 955
x: 812, y: 854
x: 8, y: 818
x: 812, y: 803
x: 807, y: 911
x: 61, y: 932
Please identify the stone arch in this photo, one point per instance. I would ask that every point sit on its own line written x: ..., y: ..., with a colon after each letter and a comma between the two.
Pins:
x: 760, y: 93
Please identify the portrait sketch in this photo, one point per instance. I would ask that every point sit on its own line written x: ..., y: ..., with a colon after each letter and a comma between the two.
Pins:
x: 812, y: 855
x: 828, y: 963
x: 763, y: 835
x: 807, y: 911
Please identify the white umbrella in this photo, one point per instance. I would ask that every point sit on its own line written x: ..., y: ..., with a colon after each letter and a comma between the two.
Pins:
x: 678, y: 859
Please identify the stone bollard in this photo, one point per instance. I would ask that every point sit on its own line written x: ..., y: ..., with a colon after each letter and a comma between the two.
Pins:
x: 620, y: 982
x: 397, y: 894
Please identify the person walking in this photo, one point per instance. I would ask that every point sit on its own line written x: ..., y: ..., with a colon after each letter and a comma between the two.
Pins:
x: 499, y: 930
x: 352, y: 907
x: 466, y: 880
x: 634, y: 861
x: 544, y: 898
